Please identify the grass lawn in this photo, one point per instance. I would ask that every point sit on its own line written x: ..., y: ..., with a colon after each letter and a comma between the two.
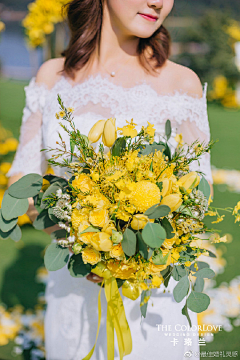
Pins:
x: 19, y: 261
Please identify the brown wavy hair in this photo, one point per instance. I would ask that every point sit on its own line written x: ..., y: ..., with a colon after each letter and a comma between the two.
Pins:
x: 84, y: 18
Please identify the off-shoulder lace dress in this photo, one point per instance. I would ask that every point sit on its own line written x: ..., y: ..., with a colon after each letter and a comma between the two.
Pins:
x: 71, y: 317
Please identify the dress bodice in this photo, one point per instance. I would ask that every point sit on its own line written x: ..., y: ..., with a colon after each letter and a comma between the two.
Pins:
x: 98, y: 98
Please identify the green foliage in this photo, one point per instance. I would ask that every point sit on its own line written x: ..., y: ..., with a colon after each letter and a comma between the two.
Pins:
x: 77, y: 268
x: 181, y: 289
x: 28, y: 186
x: 219, y: 56
x: 153, y: 235
x: 56, y: 257
x: 198, y: 301
x: 159, y: 259
x: 204, y: 187
x: 129, y: 242
x: 155, y: 212
x: 13, y: 207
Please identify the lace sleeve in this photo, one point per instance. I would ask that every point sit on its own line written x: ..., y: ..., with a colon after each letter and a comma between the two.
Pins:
x: 28, y: 158
x: 196, y: 126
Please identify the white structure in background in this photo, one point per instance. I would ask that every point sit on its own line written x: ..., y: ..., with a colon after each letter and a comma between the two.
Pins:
x: 237, y: 61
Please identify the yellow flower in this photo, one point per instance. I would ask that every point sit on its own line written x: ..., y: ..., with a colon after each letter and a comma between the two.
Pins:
x: 83, y: 183
x: 98, y: 217
x: 189, y: 181
x: 175, y: 255
x: 156, y: 281
x: 70, y: 109
x: 90, y: 255
x: 11, y: 144
x: 166, y: 187
x: 96, y: 131
x: 211, y: 213
x: 79, y: 216
x: 145, y: 195
x: 128, y: 130
x: 123, y: 270
x: 236, y: 208
x: 187, y: 263
x: 109, y: 132
x: 62, y: 113
x: 169, y: 242
x: 139, y: 221
x: 5, y: 167
x: 218, y: 220
x: 174, y: 201
x: 2, y: 26
x: 237, y: 218
x: 23, y: 219
x: 101, y: 241
x: 109, y: 227
x: 116, y: 251
x: 3, y: 180
x: 179, y: 140
x: 143, y: 285
x: 85, y: 237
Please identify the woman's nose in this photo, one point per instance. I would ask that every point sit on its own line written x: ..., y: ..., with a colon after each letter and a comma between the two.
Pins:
x: 157, y: 4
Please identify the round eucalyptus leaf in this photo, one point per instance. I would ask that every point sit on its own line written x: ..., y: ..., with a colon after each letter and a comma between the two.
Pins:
x: 129, y: 242
x: 16, y: 233
x: 181, y: 289
x: 160, y: 211
x: 76, y: 266
x: 205, y: 273
x: 153, y: 235
x: 198, y: 301
x: 13, y: 207
x: 43, y: 221
x: 6, y: 225
x: 52, y: 189
x: 56, y: 257
x: 28, y: 186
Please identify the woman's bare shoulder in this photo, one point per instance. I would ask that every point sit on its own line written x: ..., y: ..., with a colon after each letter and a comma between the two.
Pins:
x: 180, y: 77
x: 48, y: 72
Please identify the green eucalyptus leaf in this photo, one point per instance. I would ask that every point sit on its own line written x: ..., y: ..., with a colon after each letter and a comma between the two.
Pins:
x: 77, y: 268
x: 59, y: 234
x: 179, y: 271
x: 7, y: 225
x: 205, y: 273
x: 52, y: 216
x: 167, y: 273
x: 56, y: 257
x: 200, y: 264
x: 198, y: 301
x: 37, y: 201
x: 181, y: 289
x: 13, y: 207
x: 28, y: 186
x: 129, y: 242
x: 185, y: 312
x: 211, y: 254
x: 143, y: 308
x: 153, y: 235
x: 52, y: 189
x: 89, y: 229
x: 119, y: 146
x: 168, y: 228
x: 151, y: 210
x: 144, y: 250
x: 199, y: 284
x: 16, y: 233
x: 159, y: 259
x: 204, y: 187
x: 53, y: 178
x: 43, y: 221
x: 160, y: 211
x: 150, y: 149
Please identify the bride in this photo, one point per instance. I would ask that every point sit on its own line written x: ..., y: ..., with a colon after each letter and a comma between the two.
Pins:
x: 116, y: 65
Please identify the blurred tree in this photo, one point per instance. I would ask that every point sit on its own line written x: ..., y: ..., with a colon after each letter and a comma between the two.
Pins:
x: 219, y: 55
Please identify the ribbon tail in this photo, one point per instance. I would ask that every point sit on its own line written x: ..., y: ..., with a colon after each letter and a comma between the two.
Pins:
x: 110, y: 336
x: 89, y: 355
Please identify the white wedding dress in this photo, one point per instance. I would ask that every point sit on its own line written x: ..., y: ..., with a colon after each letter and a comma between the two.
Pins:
x: 72, y: 312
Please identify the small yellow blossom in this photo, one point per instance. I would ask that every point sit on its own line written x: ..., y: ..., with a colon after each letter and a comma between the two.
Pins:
x: 218, y: 220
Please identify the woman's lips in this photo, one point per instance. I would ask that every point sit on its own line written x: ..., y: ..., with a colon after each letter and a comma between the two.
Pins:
x: 147, y: 17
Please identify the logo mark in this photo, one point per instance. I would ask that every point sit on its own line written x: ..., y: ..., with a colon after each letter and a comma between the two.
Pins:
x: 188, y: 354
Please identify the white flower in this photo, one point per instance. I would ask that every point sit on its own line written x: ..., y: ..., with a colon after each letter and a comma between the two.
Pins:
x: 68, y: 229
x: 62, y: 225
x: 71, y: 239
x: 59, y: 193
x: 63, y: 242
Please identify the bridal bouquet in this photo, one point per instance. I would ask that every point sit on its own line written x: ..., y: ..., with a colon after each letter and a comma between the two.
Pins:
x: 129, y: 212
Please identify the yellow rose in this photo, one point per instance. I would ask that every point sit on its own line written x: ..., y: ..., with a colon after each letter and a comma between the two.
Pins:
x: 169, y: 242
x: 189, y: 181
x: 83, y: 183
x: 101, y: 241
x: 155, y: 269
x: 85, y: 237
x: 109, y: 227
x: 98, y: 217
x: 79, y: 216
x: 175, y: 255
x: 139, y: 221
x: 156, y: 281
x: 173, y: 201
x: 123, y: 270
x: 116, y: 251
x: 90, y: 255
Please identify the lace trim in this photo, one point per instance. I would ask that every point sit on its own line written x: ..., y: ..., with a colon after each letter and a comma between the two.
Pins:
x: 120, y: 100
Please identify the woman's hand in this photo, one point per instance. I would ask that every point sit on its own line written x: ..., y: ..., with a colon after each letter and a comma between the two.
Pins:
x: 94, y: 278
